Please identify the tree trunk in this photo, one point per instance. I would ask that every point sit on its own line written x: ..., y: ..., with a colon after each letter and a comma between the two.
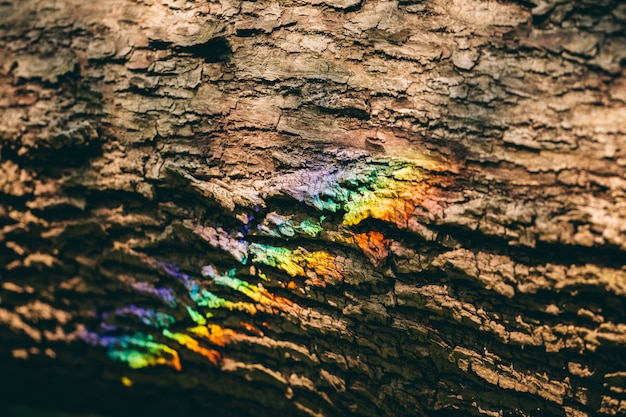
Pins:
x: 324, y: 208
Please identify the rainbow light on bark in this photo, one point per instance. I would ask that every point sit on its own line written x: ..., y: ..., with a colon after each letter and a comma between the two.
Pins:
x: 138, y: 351
x: 147, y: 316
x: 382, y: 189
x: 279, y: 226
x: 298, y: 262
x: 388, y: 190
x: 192, y: 344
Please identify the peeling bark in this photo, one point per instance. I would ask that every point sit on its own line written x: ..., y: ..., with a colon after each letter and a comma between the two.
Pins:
x: 315, y: 207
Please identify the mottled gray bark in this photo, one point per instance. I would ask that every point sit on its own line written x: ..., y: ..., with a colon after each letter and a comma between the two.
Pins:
x: 315, y: 207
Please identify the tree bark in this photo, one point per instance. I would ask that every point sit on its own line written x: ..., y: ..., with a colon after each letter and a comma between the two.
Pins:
x: 323, y: 208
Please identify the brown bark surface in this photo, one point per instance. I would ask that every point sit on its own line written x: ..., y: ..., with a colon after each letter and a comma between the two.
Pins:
x: 324, y: 208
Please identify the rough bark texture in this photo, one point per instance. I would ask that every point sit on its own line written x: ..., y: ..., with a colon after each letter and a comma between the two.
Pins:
x: 325, y: 207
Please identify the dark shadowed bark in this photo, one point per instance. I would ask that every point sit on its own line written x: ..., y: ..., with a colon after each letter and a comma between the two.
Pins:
x: 323, y: 208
